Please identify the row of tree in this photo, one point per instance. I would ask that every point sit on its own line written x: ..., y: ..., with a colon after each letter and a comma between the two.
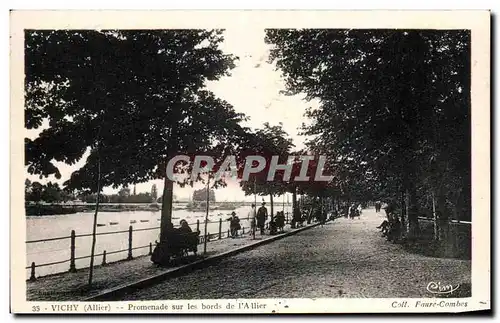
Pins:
x: 49, y: 193
x: 132, y: 100
x: 394, y: 116
x: 116, y: 198
x: 53, y: 193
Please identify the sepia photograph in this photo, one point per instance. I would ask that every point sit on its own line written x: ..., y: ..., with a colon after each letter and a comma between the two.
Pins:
x: 243, y: 166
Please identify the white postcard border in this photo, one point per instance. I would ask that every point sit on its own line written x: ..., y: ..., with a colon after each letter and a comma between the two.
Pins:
x: 477, y: 21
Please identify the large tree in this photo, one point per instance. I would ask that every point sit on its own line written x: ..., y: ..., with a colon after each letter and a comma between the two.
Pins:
x: 133, y: 99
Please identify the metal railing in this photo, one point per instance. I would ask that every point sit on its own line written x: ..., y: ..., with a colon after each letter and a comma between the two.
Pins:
x: 72, y: 266
x: 450, y: 220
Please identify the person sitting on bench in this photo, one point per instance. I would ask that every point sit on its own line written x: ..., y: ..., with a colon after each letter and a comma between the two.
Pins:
x: 234, y: 224
x: 184, y: 228
x: 273, y: 228
x: 280, y: 221
x: 394, y: 232
x: 384, y: 227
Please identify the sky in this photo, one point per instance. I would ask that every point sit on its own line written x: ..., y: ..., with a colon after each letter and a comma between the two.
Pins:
x: 253, y: 89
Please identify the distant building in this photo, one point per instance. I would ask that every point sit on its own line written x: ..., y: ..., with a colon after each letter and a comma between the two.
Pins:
x: 201, y: 195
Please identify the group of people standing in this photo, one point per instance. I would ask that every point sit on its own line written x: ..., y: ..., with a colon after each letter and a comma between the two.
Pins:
x: 354, y: 211
x: 258, y: 219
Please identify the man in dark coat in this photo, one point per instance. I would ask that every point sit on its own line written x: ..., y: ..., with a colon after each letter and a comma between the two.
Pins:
x: 262, y: 217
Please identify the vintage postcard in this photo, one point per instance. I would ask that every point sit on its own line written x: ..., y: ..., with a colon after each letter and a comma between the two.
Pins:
x: 250, y: 161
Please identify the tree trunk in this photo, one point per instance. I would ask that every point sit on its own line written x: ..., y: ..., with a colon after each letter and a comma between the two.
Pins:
x: 167, y: 198
x: 294, y: 201
x: 403, y: 214
x: 322, y: 207
x: 272, y: 205
x: 413, y: 211
x: 92, y: 251
x: 295, y: 208
x: 435, y: 219
x: 206, y: 217
x: 254, y: 226
x: 166, y: 207
x: 446, y: 239
x: 442, y: 216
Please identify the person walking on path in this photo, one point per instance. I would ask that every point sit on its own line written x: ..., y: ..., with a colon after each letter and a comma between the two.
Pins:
x: 359, y: 209
x: 262, y: 217
x: 252, y: 217
x: 351, y: 211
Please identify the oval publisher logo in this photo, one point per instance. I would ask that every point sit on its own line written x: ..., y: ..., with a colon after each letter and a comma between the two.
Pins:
x: 439, y: 288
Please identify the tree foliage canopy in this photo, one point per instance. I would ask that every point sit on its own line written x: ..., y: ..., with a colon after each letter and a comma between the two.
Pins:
x: 268, y: 141
x: 134, y: 98
x: 395, y: 107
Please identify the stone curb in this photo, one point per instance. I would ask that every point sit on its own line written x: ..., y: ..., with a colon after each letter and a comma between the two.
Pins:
x: 110, y: 294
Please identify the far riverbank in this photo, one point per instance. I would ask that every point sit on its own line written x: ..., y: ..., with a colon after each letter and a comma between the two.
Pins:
x: 72, y: 208
x: 57, y: 209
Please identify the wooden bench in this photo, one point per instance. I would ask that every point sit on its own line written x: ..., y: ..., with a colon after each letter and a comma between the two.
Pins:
x: 182, y: 243
x: 177, y: 245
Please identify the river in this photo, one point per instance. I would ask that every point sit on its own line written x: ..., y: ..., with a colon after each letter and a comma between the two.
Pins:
x: 53, y: 226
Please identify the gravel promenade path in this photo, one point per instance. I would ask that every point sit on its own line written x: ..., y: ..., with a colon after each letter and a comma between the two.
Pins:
x: 344, y: 258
